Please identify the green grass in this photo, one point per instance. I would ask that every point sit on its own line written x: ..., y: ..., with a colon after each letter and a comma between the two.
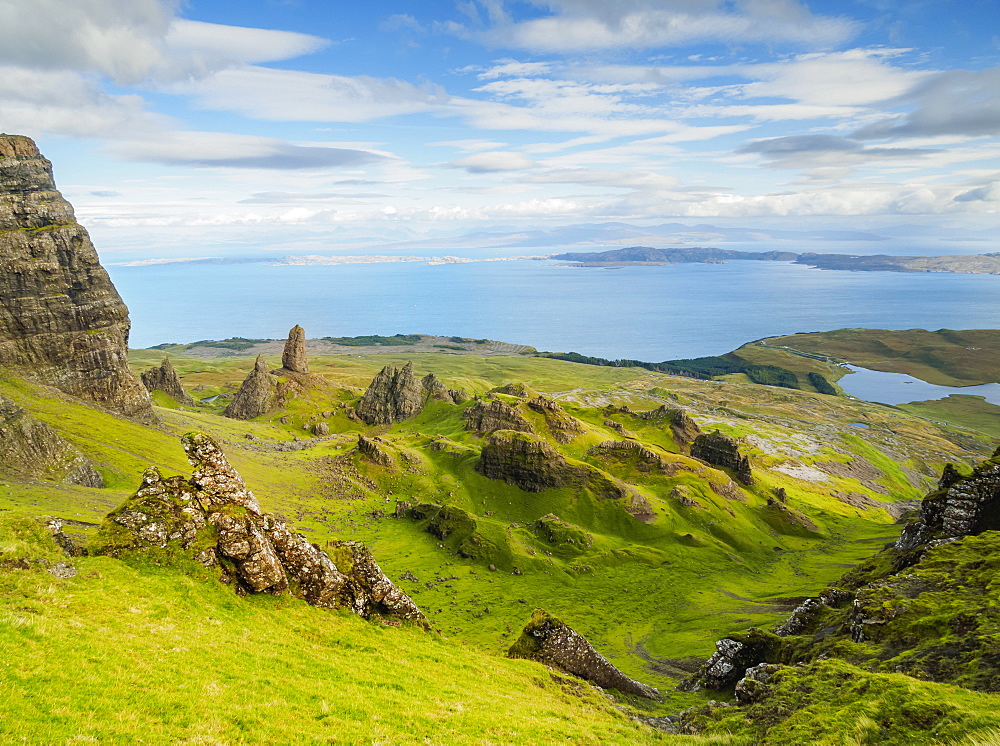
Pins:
x: 962, y: 410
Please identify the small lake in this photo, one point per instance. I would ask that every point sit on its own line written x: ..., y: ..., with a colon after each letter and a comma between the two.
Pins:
x: 899, y: 388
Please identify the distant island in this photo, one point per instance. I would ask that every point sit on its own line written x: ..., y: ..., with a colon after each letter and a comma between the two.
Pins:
x: 980, y: 264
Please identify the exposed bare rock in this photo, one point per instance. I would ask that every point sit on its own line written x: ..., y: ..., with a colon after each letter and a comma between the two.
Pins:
x: 216, y: 520
x: 61, y: 320
x: 294, y: 356
x: 718, y: 449
x: 258, y: 394
x: 530, y: 463
x: 164, y: 378
x: 753, y: 687
x: 645, y: 460
x: 685, y: 429
x: 394, y: 395
x: 966, y: 506
x: 371, y: 450
x: 547, y: 640
x: 321, y: 429
x: 520, y: 390
x: 563, y: 427
x: 30, y: 449
x: 487, y: 417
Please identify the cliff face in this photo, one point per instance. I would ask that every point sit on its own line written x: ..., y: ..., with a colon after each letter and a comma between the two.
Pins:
x: 394, y: 394
x: 61, y: 320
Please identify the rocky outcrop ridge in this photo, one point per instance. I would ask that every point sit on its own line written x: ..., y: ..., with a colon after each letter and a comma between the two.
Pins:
x: 164, y: 378
x: 61, y: 320
x: 394, y: 394
x: 563, y: 427
x: 258, y: 394
x: 962, y: 506
x: 530, y: 463
x: 293, y: 357
x: 30, y: 449
x: 685, y: 429
x: 487, y: 417
x: 547, y: 640
x: 718, y: 449
x: 214, y: 518
x: 434, y: 390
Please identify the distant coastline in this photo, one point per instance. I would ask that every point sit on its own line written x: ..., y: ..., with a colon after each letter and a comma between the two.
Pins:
x: 980, y: 264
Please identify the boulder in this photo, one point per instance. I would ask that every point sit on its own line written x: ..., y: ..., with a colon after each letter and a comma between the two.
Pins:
x: 164, y: 378
x: 547, y: 640
x: 258, y: 394
x: 62, y: 322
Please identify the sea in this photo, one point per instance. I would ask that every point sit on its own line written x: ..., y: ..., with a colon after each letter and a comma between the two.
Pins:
x: 650, y: 313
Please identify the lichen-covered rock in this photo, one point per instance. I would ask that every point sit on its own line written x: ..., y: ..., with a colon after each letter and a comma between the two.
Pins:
x: 753, y: 686
x: 61, y: 320
x: 258, y: 394
x: 732, y: 657
x: 321, y: 429
x: 30, y: 449
x: 164, y: 378
x: 394, y: 395
x: 371, y: 450
x: 293, y: 357
x: 214, y: 519
x: 548, y: 640
x: 718, y: 449
x: 487, y: 417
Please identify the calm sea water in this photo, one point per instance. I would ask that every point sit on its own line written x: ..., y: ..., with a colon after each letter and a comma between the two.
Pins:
x: 898, y: 388
x: 644, y: 313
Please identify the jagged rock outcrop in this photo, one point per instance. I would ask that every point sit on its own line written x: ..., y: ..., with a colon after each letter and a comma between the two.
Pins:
x: 258, y: 394
x: 371, y: 450
x: 293, y: 357
x: 685, y: 429
x: 563, y: 427
x: 62, y: 322
x: 961, y: 506
x: 394, y: 395
x: 530, y: 463
x: 30, y: 449
x: 434, y: 390
x: 214, y: 518
x: 490, y: 416
x: 718, y: 449
x: 164, y: 378
x: 547, y: 640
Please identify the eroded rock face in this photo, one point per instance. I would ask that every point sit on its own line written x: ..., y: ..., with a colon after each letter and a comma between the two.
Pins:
x: 164, y: 378
x: 685, y: 429
x: 394, y: 394
x: 215, y: 519
x: 962, y: 506
x: 718, y: 449
x: 563, y: 427
x: 31, y: 449
x: 61, y: 320
x: 547, y: 640
x: 487, y: 417
x: 258, y: 394
x: 294, y: 356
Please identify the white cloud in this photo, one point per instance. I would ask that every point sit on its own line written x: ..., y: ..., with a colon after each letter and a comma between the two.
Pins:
x: 508, y: 68
x: 291, y: 95
x: 578, y: 25
x: 225, y: 150
x: 470, y: 146
x: 490, y: 162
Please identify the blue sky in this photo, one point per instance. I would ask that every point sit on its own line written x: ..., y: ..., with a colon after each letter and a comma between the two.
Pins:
x: 212, y: 127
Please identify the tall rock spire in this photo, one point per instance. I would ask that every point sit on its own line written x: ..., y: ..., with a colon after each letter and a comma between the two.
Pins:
x: 257, y: 395
x: 294, y: 356
x: 61, y: 320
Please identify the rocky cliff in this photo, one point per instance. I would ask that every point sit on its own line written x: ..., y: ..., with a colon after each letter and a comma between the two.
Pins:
x: 215, y: 519
x: 164, y: 378
x: 257, y: 395
x: 718, y: 449
x: 487, y: 417
x: 30, y: 449
x: 61, y: 320
x: 394, y: 394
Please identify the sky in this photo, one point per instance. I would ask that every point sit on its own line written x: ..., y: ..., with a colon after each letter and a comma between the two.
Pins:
x: 214, y: 127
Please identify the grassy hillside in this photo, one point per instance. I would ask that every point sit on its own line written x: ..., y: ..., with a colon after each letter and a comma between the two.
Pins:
x: 708, y: 558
